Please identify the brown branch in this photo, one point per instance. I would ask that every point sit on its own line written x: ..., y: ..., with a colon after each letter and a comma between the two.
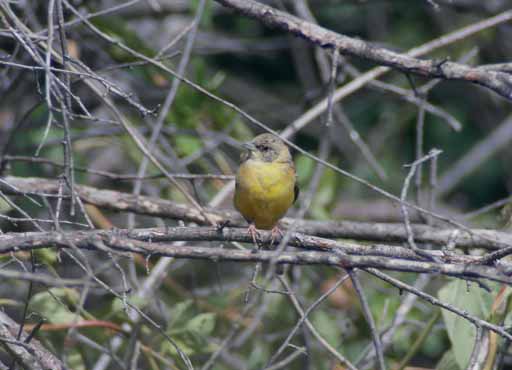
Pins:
x: 378, y: 232
x: 41, y: 278
x: 79, y: 324
x: 322, y: 251
x: 108, y: 199
x: 114, y: 176
x: 497, y: 81
x: 28, y: 351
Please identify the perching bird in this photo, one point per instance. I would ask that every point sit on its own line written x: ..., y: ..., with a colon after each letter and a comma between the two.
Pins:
x: 266, y: 184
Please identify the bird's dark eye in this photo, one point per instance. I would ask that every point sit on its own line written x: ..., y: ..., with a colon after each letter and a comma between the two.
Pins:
x: 265, y: 148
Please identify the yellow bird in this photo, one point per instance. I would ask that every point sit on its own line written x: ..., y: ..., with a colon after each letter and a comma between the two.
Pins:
x: 266, y: 184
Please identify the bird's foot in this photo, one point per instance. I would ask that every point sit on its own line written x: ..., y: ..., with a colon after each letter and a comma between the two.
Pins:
x: 275, y: 233
x: 253, y: 232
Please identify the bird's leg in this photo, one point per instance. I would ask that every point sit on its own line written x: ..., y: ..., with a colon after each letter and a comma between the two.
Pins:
x: 275, y: 232
x: 253, y: 232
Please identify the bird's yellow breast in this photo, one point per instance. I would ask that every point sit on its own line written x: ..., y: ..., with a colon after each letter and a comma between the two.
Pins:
x: 264, y: 191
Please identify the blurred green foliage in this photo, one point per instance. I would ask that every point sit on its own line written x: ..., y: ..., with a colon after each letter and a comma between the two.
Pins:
x: 199, y: 323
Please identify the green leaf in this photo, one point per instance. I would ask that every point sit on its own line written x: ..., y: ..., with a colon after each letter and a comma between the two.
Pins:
x: 46, y: 256
x: 461, y: 332
x: 191, y: 337
x: 118, y: 304
x: 258, y: 356
x: 448, y: 362
x: 187, y: 144
x: 305, y: 167
x: 178, y: 312
x: 51, y: 305
x: 324, y: 196
x: 168, y: 348
x: 324, y: 324
x: 75, y: 361
x: 4, y: 207
x: 508, y: 319
x: 202, y: 325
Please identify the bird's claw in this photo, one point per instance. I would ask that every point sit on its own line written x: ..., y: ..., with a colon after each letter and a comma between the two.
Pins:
x: 276, y: 232
x: 253, y: 232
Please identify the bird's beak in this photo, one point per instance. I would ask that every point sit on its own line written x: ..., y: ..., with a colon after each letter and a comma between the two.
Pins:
x: 249, y: 146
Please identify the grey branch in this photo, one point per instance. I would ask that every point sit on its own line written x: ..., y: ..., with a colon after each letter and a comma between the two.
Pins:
x: 368, y: 231
x: 157, y: 242
x: 28, y: 351
x: 499, y: 82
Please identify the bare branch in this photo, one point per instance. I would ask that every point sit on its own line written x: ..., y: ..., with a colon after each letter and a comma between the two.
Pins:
x: 27, y: 350
x: 329, y: 253
x: 497, y: 81
x: 382, y: 232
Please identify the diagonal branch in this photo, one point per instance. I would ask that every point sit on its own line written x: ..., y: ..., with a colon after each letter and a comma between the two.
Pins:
x: 497, y: 81
x: 29, y: 351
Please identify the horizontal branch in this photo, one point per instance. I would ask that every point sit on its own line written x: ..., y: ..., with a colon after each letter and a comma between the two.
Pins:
x: 497, y: 81
x: 42, y: 278
x: 108, y: 199
x: 322, y: 251
x: 112, y: 176
x: 151, y: 206
x: 13, y: 242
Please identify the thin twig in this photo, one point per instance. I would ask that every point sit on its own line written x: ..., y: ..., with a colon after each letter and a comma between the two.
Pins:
x: 405, y: 212
x: 304, y: 320
x: 369, y: 318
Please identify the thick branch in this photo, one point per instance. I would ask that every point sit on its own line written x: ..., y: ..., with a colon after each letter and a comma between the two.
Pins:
x: 28, y: 351
x: 346, y: 255
x: 497, y: 81
x: 108, y: 199
x: 379, y: 232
